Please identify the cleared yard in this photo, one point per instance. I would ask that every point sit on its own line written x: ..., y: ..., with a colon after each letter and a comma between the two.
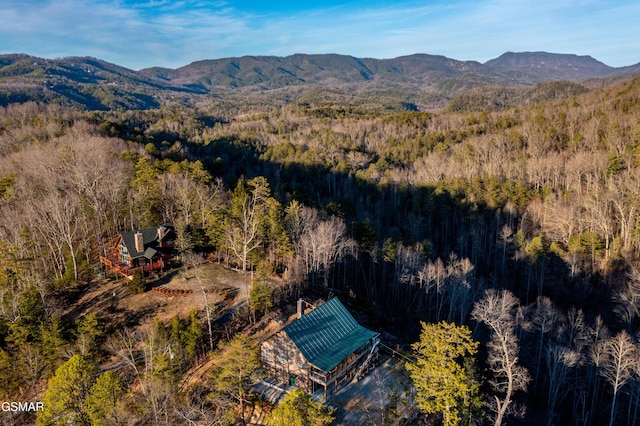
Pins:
x: 113, y: 303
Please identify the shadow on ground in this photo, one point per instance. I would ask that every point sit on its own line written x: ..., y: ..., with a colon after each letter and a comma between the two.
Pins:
x: 382, y: 397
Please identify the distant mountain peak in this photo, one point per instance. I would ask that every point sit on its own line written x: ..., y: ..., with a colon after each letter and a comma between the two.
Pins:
x: 551, y: 66
x: 97, y: 84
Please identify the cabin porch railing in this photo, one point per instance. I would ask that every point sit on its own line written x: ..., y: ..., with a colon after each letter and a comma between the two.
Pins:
x: 127, y: 270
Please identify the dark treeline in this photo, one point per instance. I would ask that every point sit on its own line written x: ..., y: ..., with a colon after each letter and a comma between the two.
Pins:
x: 412, y: 215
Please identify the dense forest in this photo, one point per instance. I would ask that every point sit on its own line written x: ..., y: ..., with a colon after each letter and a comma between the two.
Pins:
x: 519, y: 221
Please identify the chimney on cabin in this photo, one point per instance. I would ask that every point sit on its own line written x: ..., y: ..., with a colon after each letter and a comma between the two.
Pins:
x: 138, y: 241
x: 161, y: 232
x: 300, y: 308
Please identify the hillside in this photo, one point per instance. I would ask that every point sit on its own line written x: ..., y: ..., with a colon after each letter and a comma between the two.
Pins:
x: 524, y: 215
x: 86, y: 82
x: 421, y: 81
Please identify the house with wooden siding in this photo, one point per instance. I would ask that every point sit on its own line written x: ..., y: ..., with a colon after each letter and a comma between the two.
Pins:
x: 320, y: 351
x: 144, y: 250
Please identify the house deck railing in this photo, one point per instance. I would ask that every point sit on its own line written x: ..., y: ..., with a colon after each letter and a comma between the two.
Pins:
x: 324, y: 378
x: 320, y: 378
x: 127, y: 270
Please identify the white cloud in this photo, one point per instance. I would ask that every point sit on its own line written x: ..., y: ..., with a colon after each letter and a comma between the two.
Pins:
x: 173, y: 33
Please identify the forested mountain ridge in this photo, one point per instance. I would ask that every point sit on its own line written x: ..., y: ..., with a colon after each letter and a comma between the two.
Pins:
x: 422, y: 69
x: 83, y: 82
x: 421, y: 80
x: 542, y: 66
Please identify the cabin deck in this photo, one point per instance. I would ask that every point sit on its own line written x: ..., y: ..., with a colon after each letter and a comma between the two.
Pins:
x: 127, y: 270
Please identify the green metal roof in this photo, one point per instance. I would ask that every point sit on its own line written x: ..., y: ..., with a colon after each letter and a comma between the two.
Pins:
x: 328, y: 334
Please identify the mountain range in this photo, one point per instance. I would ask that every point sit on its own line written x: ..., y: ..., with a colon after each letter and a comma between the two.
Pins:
x: 420, y: 80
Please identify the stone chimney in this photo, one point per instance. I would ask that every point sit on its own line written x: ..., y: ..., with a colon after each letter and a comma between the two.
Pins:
x: 161, y: 233
x: 300, y: 308
x: 138, y: 241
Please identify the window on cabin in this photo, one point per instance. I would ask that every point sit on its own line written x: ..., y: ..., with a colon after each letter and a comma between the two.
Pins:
x: 124, y: 253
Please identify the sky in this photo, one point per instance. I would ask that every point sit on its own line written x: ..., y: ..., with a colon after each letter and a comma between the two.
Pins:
x: 144, y: 33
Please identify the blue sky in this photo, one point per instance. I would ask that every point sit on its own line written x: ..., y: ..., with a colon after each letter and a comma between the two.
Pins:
x: 144, y: 33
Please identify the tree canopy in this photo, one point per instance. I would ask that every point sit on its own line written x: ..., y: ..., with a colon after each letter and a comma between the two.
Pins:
x: 64, y: 400
x: 298, y: 409
x: 440, y: 374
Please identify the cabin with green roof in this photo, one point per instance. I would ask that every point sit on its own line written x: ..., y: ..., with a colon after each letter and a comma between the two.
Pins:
x: 320, y: 351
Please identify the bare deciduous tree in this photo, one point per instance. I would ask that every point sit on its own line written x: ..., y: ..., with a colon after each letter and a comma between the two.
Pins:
x: 408, y: 261
x: 179, y: 200
x: 123, y: 344
x: 497, y: 311
x: 545, y: 317
x: 559, y: 362
x: 627, y: 298
x: 246, y: 212
x: 325, y: 244
x: 208, y: 199
x: 596, y: 347
x: 618, y: 365
x: 434, y: 275
x: 56, y: 218
x: 460, y: 288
